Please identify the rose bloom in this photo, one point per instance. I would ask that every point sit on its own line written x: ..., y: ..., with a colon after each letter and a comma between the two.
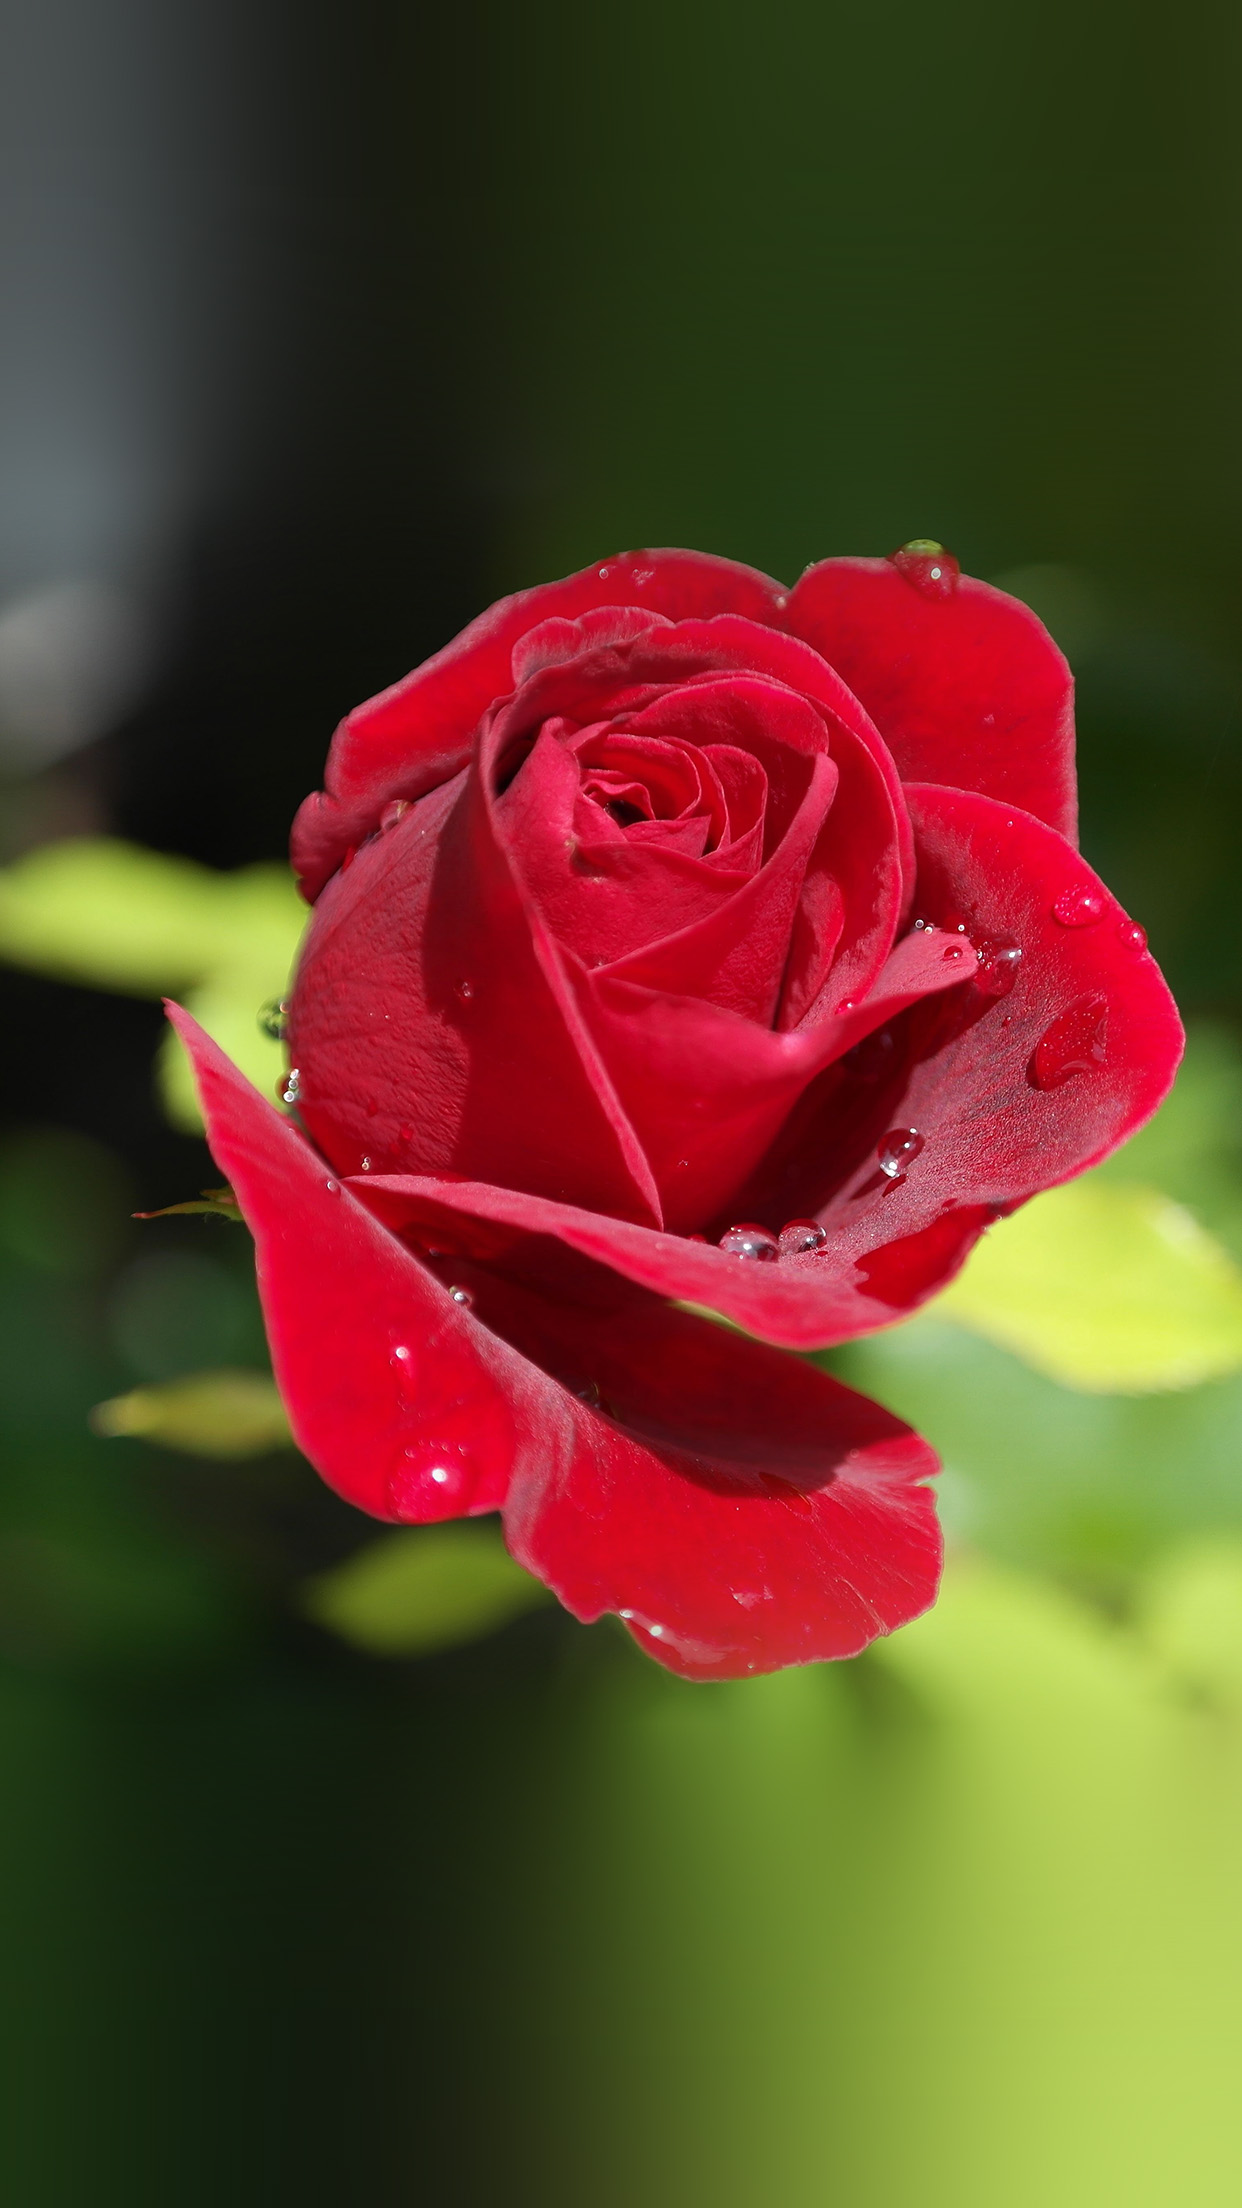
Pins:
x: 681, y: 945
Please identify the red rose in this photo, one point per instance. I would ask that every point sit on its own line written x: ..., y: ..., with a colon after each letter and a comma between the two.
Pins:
x: 660, y: 901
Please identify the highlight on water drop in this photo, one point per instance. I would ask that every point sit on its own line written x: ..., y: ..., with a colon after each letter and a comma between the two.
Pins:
x: 756, y: 1244
x: 898, y: 1150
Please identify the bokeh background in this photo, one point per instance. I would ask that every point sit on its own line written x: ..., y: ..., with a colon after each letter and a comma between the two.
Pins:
x: 318, y: 329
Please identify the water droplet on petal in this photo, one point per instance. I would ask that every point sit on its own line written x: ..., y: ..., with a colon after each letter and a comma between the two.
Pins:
x: 604, y: 573
x: 998, y: 965
x: 432, y: 1479
x: 401, y: 1357
x: 1073, y: 1043
x: 462, y: 1296
x: 405, y: 1132
x: 292, y: 1089
x: 333, y: 1187
x: 800, y: 1235
x: 847, y: 1004
x: 1079, y: 908
x: 372, y: 1106
x: 589, y: 1394
x: 366, y: 1165
x: 394, y: 812
x: 274, y: 1019
x: 953, y: 951
x: 782, y: 600
x: 751, y: 1242
x: 464, y: 990
x: 1133, y: 935
x: 927, y: 565
x: 898, y: 1150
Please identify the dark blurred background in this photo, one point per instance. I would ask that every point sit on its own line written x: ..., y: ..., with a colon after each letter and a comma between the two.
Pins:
x: 319, y: 329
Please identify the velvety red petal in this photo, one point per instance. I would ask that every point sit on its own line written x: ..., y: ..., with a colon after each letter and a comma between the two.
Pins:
x: 772, y: 1518
x: 418, y: 733
x: 740, y: 1510
x: 966, y: 689
x: 706, y: 1091
x: 431, y: 1026
x: 394, y: 1392
x: 1060, y: 1049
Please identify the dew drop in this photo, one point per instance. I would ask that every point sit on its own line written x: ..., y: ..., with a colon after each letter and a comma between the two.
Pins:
x: 1133, y: 935
x: 464, y: 990
x: 847, y: 1004
x: 333, y: 1188
x: 274, y: 1019
x: 953, y: 951
x: 782, y: 600
x: 366, y: 1165
x: 589, y: 1394
x: 1079, y: 908
x: 292, y: 1089
x: 898, y: 1150
x: 998, y: 965
x: 927, y: 565
x: 401, y: 1357
x: 604, y: 573
x: 394, y: 812
x: 800, y: 1235
x: 372, y: 1106
x: 751, y: 1242
x: 405, y: 1132
x: 431, y: 1479
x: 463, y: 1297
x: 1073, y: 1043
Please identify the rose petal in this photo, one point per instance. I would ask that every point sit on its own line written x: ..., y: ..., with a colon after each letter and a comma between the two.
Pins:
x: 386, y: 1380
x: 706, y: 1091
x: 432, y: 1027
x: 773, y: 1518
x: 419, y: 732
x: 739, y: 1509
x: 967, y: 689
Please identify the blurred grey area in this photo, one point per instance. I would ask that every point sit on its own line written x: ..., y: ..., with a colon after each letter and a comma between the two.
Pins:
x: 127, y: 277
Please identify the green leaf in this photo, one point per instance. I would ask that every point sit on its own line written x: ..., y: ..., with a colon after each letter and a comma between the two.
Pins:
x: 229, y: 1413
x: 1190, y: 1614
x: 113, y: 916
x: 1105, y: 1286
x: 213, y: 1203
x: 427, y: 1588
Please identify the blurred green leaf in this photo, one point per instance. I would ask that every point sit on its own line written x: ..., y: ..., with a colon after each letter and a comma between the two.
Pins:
x: 427, y: 1588
x: 64, y: 1201
x: 205, y: 1414
x: 1105, y: 1286
x: 114, y: 916
x: 1051, y: 1477
x: 1190, y: 1614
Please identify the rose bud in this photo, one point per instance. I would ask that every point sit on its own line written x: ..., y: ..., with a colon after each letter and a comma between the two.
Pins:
x: 679, y: 941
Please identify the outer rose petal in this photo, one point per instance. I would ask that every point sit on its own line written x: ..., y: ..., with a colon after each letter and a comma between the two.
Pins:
x: 418, y: 733
x: 968, y: 690
x: 741, y: 1511
x: 742, y: 1568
